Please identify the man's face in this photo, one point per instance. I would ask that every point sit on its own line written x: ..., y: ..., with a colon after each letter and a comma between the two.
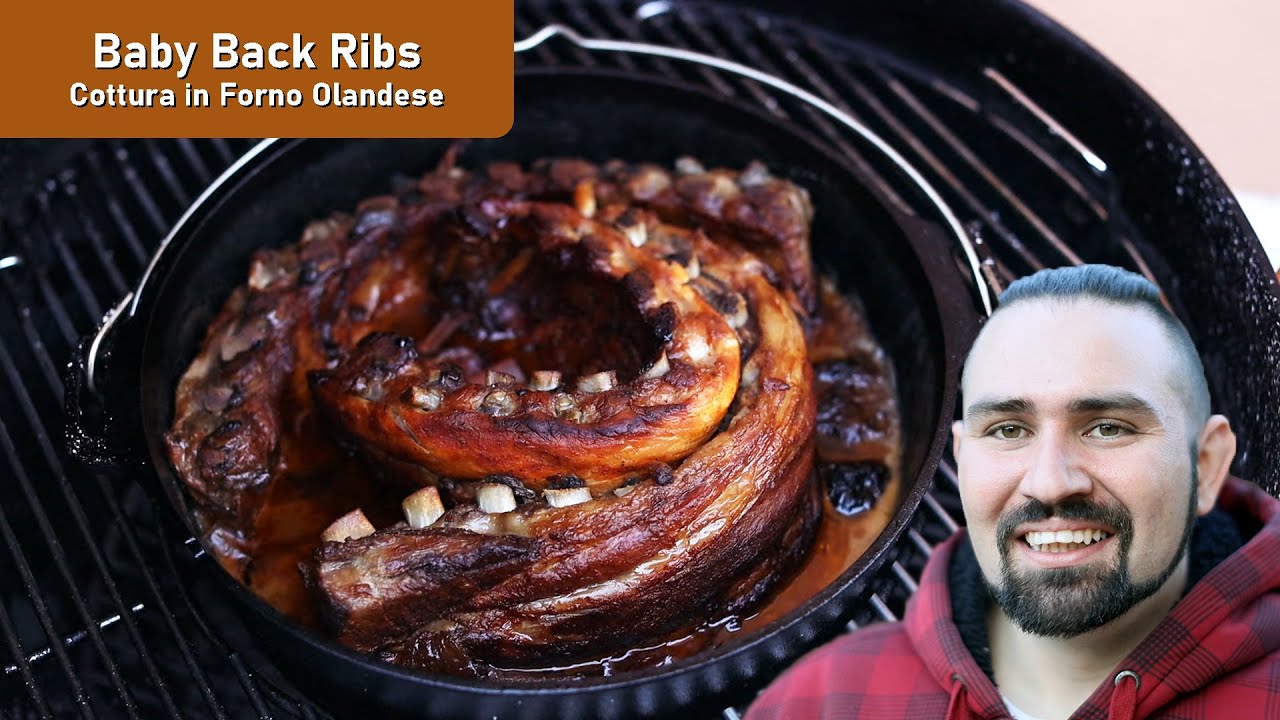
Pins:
x: 1076, y: 462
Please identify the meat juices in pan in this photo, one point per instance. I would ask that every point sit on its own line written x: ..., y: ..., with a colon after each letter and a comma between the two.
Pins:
x: 518, y: 418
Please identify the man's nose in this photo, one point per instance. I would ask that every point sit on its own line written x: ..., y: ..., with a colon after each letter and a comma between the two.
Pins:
x: 1054, y: 472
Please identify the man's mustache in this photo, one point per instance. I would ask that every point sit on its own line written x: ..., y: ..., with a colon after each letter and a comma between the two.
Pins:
x: 1112, y: 516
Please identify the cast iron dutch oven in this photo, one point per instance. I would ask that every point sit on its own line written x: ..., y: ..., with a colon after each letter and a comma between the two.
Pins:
x: 1187, y: 224
x: 903, y: 268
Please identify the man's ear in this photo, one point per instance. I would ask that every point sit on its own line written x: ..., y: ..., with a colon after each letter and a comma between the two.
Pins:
x: 1213, y: 461
x: 957, y: 428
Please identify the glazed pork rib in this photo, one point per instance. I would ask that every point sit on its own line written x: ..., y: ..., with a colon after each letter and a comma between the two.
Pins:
x: 618, y: 567
x: 598, y: 375
x: 598, y: 429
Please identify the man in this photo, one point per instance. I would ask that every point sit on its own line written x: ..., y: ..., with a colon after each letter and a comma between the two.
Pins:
x: 1109, y: 569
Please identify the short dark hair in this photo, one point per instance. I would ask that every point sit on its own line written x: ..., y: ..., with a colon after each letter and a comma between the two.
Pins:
x: 1117, y: 286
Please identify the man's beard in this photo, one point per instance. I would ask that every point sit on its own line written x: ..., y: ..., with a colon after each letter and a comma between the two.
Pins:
x: 1067, y: 602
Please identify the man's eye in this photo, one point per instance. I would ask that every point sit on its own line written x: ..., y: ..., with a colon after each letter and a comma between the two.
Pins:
x: 1106, y: 430
x: 1009, y: 432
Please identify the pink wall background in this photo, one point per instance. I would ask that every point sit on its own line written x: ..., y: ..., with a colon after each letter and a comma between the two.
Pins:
x: 1215, y: 66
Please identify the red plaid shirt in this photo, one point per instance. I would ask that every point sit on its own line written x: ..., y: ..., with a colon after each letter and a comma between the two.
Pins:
x: 1217, y: 654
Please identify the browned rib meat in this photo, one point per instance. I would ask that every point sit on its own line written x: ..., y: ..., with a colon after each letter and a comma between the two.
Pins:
x: 602, y: 427
x: 242, y: 408
x: 602, y: 369
x: 614, y: 569
x: 384, y: 585
x: 767, y: 215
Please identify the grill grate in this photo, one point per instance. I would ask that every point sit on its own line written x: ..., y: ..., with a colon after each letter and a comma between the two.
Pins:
x: 94, y: 621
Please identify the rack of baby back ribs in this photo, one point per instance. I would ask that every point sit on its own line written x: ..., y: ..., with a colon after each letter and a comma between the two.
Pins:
x: 574, y: 499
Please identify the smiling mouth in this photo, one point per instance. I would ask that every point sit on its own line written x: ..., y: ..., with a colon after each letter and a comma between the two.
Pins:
x: 1063, y: 540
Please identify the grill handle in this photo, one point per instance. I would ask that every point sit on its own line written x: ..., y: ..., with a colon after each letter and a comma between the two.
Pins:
x: 94, y: 435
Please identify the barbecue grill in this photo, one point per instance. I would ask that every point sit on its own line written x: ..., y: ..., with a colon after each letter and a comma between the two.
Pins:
x: 1044, y: 154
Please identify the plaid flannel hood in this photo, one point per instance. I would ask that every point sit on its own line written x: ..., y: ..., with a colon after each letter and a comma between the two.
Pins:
x: 1227, y: 622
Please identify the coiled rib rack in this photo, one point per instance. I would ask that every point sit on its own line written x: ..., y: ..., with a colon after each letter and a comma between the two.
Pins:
x: 594, y: 383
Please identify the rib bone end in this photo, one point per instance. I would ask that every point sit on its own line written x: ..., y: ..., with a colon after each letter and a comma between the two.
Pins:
x: 598, y: 382
x: 660, y: 367
x: 545, y: 380
x: 423, y: 508
x: 352, y: 526
x: 584, y: 197
x: 564, y: 497
x: 426, y: 398
x: 495, y: 498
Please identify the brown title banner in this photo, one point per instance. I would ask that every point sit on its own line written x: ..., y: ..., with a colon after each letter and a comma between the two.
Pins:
x: 232, y: 68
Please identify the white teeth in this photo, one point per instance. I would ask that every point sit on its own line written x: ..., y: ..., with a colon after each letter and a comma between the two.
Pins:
x: 1065, y: 536
x: 1063, y: 540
